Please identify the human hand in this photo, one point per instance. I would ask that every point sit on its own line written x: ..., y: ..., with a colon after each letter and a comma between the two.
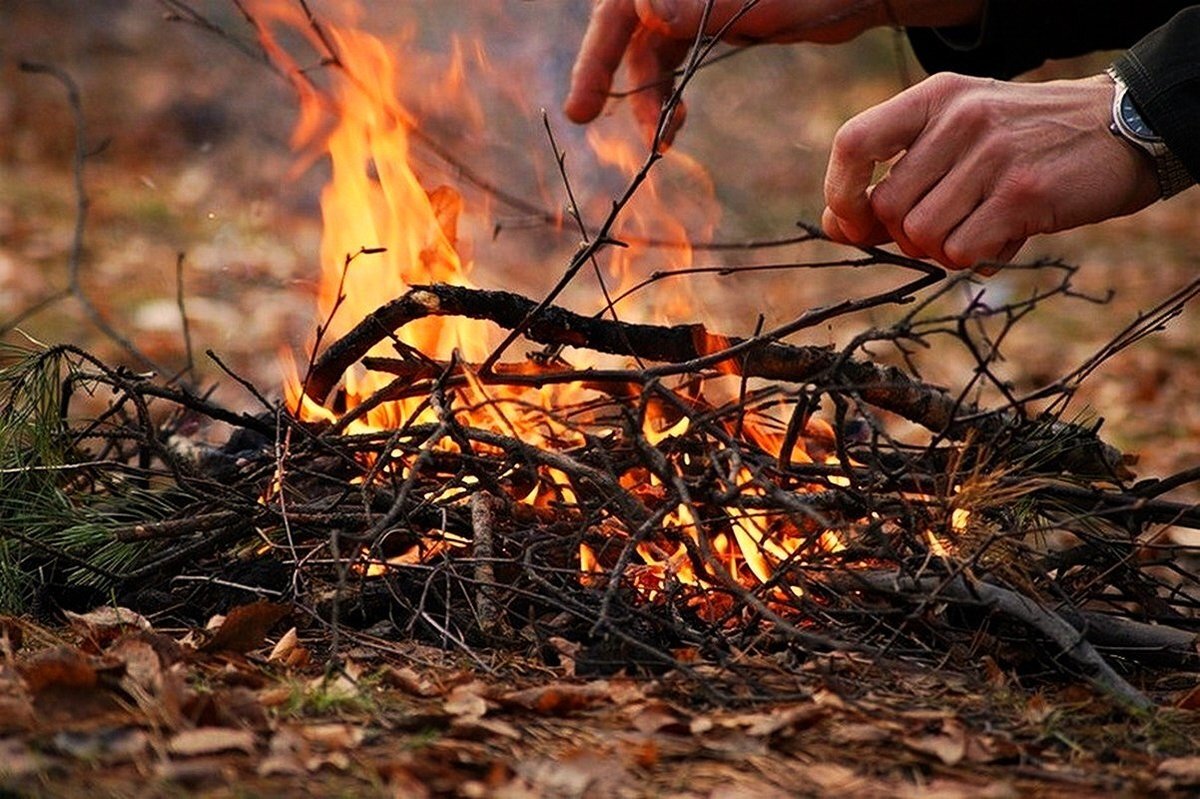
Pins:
x: 982, y: 166
x: 653, y: 36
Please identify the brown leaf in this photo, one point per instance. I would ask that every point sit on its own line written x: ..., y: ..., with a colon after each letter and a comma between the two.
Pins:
x: 246, y: 627
x: 210, y: 741
x: 1190, y: 700
x: 12, y: 629
x: 584, y: 772
x: 284, y: 647
x: 407, y: 680
x: 660, y: 717
x: 466, y: 701
x: 333, y: 736
x: 949, y: 746
x: 106, y: 744
x: 18, y: 760
x: 1181, y: 771
x: 62, y: 666
x: 791, y: 719
x: 558, y: 699
x: 105, y: 623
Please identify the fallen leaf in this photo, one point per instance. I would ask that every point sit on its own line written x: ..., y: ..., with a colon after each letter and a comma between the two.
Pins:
x: 105, y: 623
x: 557, y: 699
x: 660, y: 717
x: 465, y: 701
x: 584, y: 772
x: 1190, y: 700
x: 211, y: 740
x: 106, y: 745
x: 479, y: 729
x: 12, y: 630
x: 333, y: 736
x: 795, y: 718
x: 18, y: 760
x: 949, y: 745
x: 246, y: 627
x: 284, y: 647
x: 62, y: 666
x: 286, y: 753
x: 1181, y: 771
x: 407, y: 680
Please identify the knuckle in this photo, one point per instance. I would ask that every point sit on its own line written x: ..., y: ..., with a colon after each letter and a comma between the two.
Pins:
x: 1021, y: 187
x: 918, y: 228
x: 851, y: 139
x: 887, y: 204
x: 961, y: 254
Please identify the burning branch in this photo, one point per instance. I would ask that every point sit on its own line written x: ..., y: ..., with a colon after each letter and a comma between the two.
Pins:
x: 689, y: 349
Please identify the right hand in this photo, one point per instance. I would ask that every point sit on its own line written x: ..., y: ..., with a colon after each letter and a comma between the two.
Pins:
x: 653, y: 36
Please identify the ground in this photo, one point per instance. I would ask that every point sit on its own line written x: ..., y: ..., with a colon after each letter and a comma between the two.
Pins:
x: 191, y: 156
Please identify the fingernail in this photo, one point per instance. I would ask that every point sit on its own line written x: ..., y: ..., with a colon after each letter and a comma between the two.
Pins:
x: 665, y: 10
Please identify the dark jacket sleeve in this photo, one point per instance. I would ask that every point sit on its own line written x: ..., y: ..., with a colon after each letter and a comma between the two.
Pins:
x: 1163, y: 74
x: 1018, y: 35
x: 1162, y: 66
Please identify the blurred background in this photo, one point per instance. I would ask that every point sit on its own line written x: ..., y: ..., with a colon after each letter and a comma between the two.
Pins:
x: 191, y: 154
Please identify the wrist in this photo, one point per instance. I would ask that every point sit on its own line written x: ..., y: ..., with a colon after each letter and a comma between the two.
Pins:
x: 1128, y: 124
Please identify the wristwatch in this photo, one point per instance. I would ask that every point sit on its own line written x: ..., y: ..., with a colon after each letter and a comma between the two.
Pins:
x: 1129, y: 124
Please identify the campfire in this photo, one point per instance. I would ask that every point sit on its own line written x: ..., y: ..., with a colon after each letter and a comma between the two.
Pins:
x: 617, y: 484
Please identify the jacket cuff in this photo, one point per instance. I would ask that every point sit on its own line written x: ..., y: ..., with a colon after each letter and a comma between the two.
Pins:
x: 1162, y: 72
x: 1016, y: 36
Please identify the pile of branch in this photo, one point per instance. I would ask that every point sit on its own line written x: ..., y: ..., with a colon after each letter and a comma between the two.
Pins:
x: 995, y: 527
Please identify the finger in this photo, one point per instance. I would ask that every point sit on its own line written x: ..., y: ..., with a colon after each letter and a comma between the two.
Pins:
x: 652, y: 61
x: 832, y: 227
x: 907, y: 183
x: 604, y: 43
x: 1007, y: 253
x: 773, y: 20
x: 992, y: 233
x: 953, y: 199
x: 871, y: 138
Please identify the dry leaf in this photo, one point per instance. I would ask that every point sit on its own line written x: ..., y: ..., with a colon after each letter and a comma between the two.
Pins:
x: 465, y: 701
x: 407, y: 680
x: 660, y: 717
x: 477, y: 729
x: 62, y: 666
x: 1190, y: 700
x: 949, y: 746
x: 333, y: 736
x: 585, y: 772
x: 18, y: 760
x: 286, y: 753
x: 106, y: 745
x: 796, y: 718
x: 337, y: 689
x: 284, y: 647
x: 210, y: 741
x: 246, y: 627
x: 106, y: 620
x: 558, y: 699
x: 1181, y: 770
x: 12, y: 630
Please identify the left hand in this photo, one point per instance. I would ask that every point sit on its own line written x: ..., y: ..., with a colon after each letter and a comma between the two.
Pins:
x: 982, y: 166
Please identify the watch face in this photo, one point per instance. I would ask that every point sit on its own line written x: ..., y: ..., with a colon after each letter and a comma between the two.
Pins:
x: 1132, y: 118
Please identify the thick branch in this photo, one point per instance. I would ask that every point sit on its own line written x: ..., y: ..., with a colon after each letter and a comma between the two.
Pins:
x: 884, y: 387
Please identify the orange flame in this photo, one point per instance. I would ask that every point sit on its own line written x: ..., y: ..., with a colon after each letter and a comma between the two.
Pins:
x: 384, y: 231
